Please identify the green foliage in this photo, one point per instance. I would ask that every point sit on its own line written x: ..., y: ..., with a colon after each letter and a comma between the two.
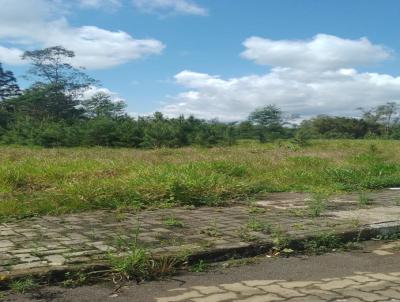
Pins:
x: 280, y: 238
x: 316, y: 205
x: 23, y: 285
x: 8, y: 84
x: 138, y: 264
x: 101, y: 105
x: 322, y: 243
x: 268, y: 123
x: 258, y: 226
x: 173, y: 222
x: 337, y: 127
x: 199, y: 267
x: 74, y: 279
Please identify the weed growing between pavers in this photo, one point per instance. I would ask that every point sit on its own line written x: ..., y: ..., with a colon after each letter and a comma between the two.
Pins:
x: 134, y: 262
x: 173, y: 222
x: 258, y: 225
x: 317, y: 204
x: 23, y: 285
x: 212, y: 230
x: 280, y: 238
x: 364, y: 199
x: 138, y: 265
x: 35, y: 181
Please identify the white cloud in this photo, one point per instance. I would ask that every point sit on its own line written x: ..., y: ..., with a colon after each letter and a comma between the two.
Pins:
x: 100, y: 3
x: 329, y: 86
x: 184, y: 7
x: 11, y: 55
x: 41, y: 23
x: 321, y: 52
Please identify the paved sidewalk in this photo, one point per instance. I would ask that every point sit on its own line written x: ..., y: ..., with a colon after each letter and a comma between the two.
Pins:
x: 41, y: 244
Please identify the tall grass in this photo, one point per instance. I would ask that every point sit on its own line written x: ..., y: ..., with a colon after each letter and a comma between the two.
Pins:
x: 36, y: 181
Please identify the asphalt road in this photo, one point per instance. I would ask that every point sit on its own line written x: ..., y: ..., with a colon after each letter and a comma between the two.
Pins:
x: 370, y: 274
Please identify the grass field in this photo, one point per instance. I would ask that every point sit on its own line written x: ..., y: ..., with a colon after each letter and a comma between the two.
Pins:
x: 36, y: 181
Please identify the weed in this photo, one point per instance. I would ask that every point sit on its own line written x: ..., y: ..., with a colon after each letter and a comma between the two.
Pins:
x: 322, y: 243
x: 23, y: 285
x: 139, y: 264
x: 280, y: 239
x: 364, y: 199
x: 199, y: 267
x: 212, y: 230
x: 246, y: 236
x: 239, y: 262
x: 256, y: 210
x: 173, y: 222
x: 316, y: 204
x: 74, y: 279
x: 258, y: 226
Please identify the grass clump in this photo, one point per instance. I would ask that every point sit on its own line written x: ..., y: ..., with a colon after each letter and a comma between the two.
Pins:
x: 173, y: 222
x: 364, y: 199
x: 138, y: 264
x: 23, y: 285
x: 199, y: 267
x: 212, y: 230
x: 322, y: 243
x: 256, y: 225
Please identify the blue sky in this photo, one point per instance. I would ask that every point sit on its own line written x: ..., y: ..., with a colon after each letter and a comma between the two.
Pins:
x: 192, y: 60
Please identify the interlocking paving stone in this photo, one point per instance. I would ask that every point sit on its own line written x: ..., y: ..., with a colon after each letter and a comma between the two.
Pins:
x: 292, y: 291
x: 88, y: 237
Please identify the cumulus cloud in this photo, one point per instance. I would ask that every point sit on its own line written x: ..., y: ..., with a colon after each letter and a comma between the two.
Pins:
x: 41, y: 23
x: 184, y: 7
x: 328, y: 86
x: 321, y: 52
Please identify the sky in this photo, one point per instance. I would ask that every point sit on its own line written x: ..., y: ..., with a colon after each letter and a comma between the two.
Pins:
x: 219, y: 58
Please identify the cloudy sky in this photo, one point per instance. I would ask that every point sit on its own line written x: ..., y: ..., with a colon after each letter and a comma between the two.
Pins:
x: 219, y: 58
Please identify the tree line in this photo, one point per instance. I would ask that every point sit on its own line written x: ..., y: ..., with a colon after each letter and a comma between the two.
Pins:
x: 54, y: 112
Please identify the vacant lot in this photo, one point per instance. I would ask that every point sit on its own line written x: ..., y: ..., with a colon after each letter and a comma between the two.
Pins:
x: 53, y: 181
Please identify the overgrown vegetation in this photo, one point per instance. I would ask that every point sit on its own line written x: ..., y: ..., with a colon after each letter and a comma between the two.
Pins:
x: 36, y: 181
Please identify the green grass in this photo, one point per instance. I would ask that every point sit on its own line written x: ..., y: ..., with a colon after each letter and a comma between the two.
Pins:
x: 35, y: 181
x: 173, y: 222
x: 23, y: 285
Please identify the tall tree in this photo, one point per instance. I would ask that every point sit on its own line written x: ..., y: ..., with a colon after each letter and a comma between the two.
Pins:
x: 101, y: 105
x: 269, y: 117
x: 269, y: 121
x: 387, y: 115
x: 51, y: 66
x: 8, y: 84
